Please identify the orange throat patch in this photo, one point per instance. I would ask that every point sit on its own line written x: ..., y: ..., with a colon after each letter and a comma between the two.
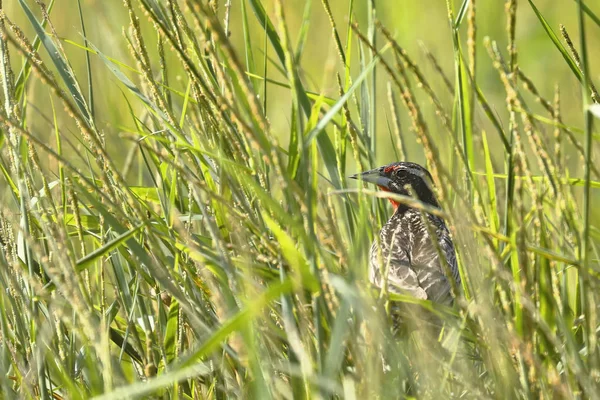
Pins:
x: 395, y: 204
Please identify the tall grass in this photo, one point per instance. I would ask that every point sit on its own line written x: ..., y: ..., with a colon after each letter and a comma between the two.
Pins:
x: 201, y: 252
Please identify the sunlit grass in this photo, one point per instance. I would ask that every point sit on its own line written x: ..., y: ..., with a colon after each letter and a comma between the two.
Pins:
x: 199, y: 252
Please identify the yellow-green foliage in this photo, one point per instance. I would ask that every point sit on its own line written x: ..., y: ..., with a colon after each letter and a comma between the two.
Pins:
x: 176, y: 219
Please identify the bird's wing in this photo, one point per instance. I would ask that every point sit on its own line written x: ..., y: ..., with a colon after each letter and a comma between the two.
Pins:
x: 401, y: 278
x: 431, y: 273
x: 447, y: 248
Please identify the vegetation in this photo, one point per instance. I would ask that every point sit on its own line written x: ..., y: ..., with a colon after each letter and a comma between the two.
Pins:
x: 176, y: 222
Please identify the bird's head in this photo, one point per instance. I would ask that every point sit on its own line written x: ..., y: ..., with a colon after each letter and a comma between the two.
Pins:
x: 398, y: 177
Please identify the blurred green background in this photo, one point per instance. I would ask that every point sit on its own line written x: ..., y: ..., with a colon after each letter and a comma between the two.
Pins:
x: 412, y: 23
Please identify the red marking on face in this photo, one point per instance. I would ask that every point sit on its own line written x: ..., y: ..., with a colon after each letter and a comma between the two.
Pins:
x: 389, y: 169
x: 395, y: 204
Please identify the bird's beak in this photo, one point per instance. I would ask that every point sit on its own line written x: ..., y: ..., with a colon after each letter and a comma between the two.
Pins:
x: 375, y: 176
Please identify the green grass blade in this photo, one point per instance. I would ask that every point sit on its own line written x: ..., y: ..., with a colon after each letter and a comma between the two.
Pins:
x: 64, y: 70
x: 559, y: 46
x: 461, y: 13
x: 315, y: 132
x: 589, y: 12
x: 92, y: 257
x: 142, y: 389
x: 252, y: 310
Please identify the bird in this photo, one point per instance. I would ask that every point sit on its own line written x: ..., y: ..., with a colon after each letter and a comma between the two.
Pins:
x: 406, y: 249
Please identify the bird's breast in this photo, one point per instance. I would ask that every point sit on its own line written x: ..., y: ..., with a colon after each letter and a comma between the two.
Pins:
x: 405, y: 242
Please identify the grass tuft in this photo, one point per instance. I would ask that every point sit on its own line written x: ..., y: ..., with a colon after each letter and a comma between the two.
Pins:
x: 183, y: 227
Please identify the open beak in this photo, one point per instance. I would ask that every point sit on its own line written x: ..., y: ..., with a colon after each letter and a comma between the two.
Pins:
x: 376, y: 176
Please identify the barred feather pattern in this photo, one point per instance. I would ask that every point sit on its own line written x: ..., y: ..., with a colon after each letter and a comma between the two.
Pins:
x: 406, y: 251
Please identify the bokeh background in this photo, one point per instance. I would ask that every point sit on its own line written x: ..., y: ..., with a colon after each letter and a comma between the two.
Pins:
x: 413, y: 23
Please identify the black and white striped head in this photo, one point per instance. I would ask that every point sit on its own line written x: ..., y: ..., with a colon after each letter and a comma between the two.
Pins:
x: 398, y: 177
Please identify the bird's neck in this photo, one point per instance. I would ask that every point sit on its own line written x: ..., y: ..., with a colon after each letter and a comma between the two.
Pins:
x: 403, y: 208
x: 426, y: 198
x: 403, y: 211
